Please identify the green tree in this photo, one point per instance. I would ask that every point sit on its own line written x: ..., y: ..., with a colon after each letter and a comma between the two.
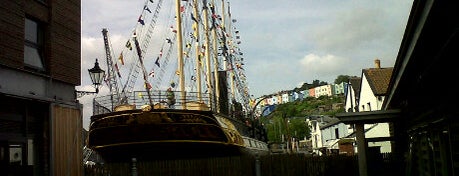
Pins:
x: 342, y: 78
x: 298, y: 128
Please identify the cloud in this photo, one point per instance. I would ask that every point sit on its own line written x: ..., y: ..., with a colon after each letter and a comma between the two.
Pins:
x: 284, y: 43
x: 325, y: 68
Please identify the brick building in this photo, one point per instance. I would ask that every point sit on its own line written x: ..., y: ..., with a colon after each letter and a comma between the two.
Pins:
x: 40, y: 119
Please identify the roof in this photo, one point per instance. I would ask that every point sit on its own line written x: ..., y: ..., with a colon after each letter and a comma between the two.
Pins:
x: 378, y: 79
x: 355, y: 84
x: 333, y: 121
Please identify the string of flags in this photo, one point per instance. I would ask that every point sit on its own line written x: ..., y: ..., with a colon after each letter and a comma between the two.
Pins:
x: 193, y: 35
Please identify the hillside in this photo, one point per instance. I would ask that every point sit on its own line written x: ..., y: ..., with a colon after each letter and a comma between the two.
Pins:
x: 295, y: 113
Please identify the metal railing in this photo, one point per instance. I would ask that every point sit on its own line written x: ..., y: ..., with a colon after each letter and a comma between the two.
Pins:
x: 160, y: 99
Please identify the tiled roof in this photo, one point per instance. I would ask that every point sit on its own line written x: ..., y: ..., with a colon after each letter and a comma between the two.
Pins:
x: 355, y: 83
x: 378, y: 78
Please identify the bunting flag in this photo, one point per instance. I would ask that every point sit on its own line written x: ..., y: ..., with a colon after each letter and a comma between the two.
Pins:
x: 148, y: 86
x: 128, y: 45
x: 140, y: 95
x: 182, y: 9
x: 157, y: 62
x: 146, y: 8
x: 173, y: 30
x: 141, y: 20
x: 193, y: 18
x: 121, y: 58
x: 117, y: 70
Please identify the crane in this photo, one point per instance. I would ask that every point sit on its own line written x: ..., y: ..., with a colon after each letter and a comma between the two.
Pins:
x: 119, y: 91
x: 111, y: 76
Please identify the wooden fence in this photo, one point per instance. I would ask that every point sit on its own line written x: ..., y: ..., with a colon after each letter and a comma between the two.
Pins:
x: 268, y: 165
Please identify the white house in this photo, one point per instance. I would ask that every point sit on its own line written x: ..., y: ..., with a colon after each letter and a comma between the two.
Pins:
x: 316, y: 136
x: 332, y: 132
x: 324, y: 90
x: 351, y: 103
x: 285, y: 97
x: 373, y: 89
x: 324, y: 132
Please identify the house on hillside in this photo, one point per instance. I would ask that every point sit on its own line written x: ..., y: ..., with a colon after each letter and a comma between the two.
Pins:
x: 285, y: 97
x: 305, y: 93
x: 298, y: 96
x: 340, y: 89
x: 325, y: 90
x: 312, y: 92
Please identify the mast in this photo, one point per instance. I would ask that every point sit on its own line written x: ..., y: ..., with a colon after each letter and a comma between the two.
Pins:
x: 180, y: 53
x: 233, y: 94
x: 144, y: 71
x: 215, y: 57
x: 197, y: 48
x: 207, y: 50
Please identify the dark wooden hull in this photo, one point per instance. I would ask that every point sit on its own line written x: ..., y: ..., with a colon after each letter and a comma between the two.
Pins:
x: 161, y: 133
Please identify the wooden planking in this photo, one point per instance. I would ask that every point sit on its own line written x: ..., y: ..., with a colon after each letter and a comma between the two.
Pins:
x: 12, y: 33
x: 65, y: 41
x: 62, y: 47
x: 67, y: 141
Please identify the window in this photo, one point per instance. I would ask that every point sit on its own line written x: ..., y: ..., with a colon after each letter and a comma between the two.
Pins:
x: 33, y: 45
x: 336, y: 133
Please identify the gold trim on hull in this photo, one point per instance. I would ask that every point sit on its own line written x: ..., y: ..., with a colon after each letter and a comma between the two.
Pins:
x: 161, y: 130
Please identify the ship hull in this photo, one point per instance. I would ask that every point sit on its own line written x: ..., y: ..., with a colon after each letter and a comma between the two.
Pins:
x: 162, y: 133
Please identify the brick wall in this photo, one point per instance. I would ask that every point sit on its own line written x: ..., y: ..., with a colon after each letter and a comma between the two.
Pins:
x: 346, y: 148
x: 62, y: 47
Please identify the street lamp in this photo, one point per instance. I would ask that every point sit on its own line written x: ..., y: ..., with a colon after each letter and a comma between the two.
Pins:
x: 97, y: 76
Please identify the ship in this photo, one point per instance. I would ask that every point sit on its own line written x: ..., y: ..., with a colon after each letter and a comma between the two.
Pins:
x: 174, y: 119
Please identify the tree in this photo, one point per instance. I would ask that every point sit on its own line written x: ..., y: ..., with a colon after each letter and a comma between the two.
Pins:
x: 305, y: 86
x: 342, y: 78
x: 317, y: 83
x: 298, y: 128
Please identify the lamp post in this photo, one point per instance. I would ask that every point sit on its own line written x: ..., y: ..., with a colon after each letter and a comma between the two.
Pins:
x: 97, y: 76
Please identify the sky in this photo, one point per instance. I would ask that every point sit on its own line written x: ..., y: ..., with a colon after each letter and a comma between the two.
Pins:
x: 285, y: 43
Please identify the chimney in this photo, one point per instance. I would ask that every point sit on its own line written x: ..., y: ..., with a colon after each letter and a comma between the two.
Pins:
x: 377, y: 63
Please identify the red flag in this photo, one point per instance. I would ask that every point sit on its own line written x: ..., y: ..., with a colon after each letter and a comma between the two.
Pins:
x: 148, y: 86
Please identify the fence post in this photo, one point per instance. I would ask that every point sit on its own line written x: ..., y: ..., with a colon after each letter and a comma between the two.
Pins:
x: 134, y: 167
x: 257, y: 165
